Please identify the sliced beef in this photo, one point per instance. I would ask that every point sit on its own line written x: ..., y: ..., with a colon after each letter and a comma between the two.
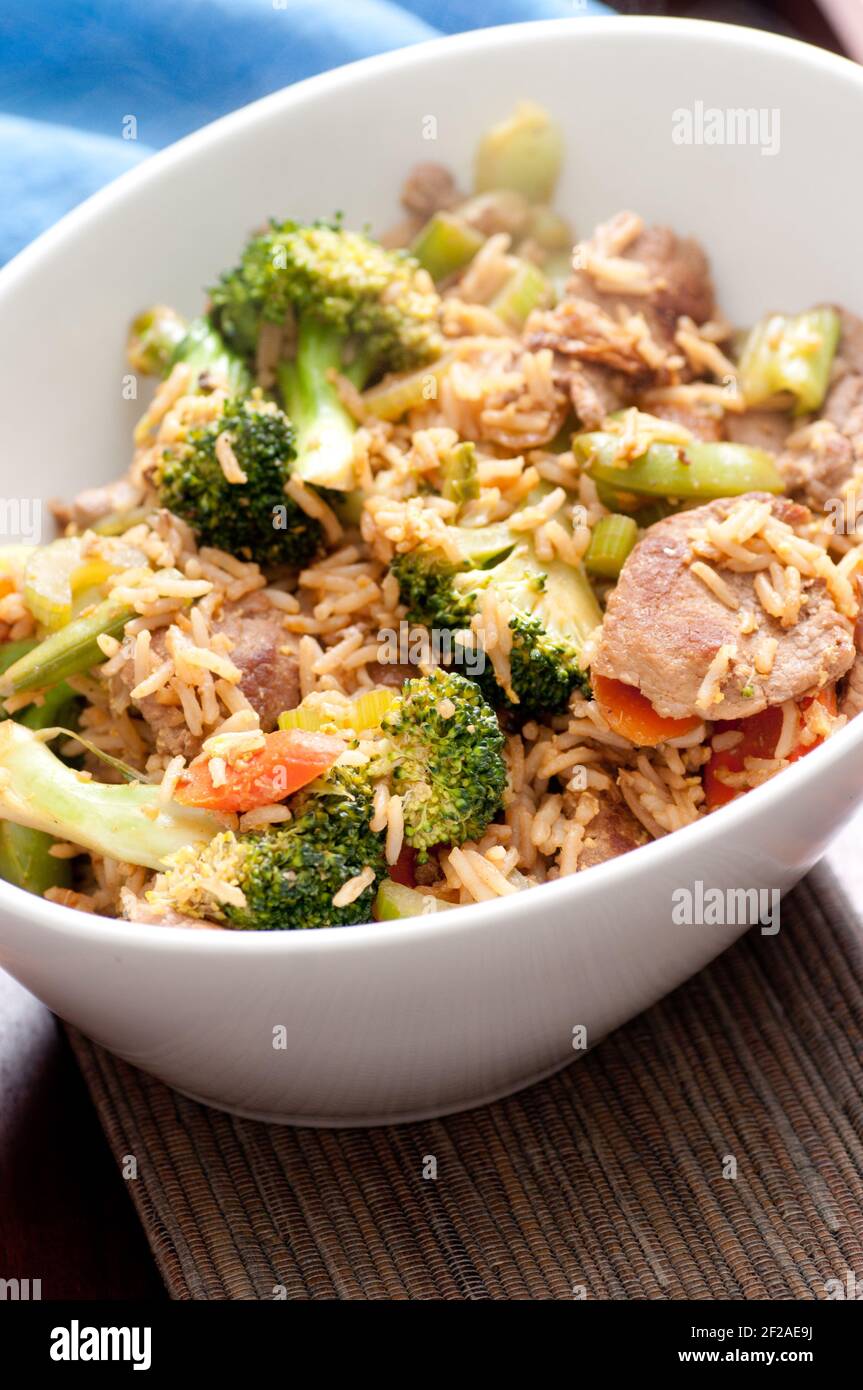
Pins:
x: 612, y: 832
x: 97, y: 502
x: 702, y: 421
x: 844, y: 405
x: 851, y: 697
x: 849, y: 356
x: 593, y: 325
x: 391, y: 674
x: 759, y: 429
x: 271, y: 680
x: 429, y: 188
x: 596, y: 392
x: 663, y: 627
x: 815, y: 463
x: 681, y: 271
x: 270, y: 676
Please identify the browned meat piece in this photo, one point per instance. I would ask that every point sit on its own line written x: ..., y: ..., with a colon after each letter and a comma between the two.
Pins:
x: 821, y: 456
x: 700, y: 420
x: 851, y: 696
x: 759, y: 429
x: 815, y: 463
x: 613, y: 831
x: 271, y: 681
x: 589, y: 322
x: 596, y: 392
x: 850, y: 354
x: 94, y: 503
x: 270, y: 676
x: 664, y: 626
x: 428, y: 189
x: 681, y: 268
x: 844, y: 405
x: 391, y: 674
x: 582, y: 329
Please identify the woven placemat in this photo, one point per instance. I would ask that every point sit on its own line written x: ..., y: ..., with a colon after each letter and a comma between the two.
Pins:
x: 712, y: 1148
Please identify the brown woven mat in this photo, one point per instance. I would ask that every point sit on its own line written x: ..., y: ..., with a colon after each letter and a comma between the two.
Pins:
x: 608, y: 1181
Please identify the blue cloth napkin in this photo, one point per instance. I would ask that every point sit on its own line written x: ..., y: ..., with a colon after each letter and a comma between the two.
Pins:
x: 89, y: 88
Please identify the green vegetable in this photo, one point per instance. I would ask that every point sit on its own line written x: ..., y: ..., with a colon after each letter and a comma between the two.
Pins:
x: 358, y: 308
x: 790, y: 355
x: 526, y: 289
x: 445, y: 245
x: 25, y: 853
x: 444, y: 760
x: 68, y: 652
x: 290, y: 874
x: 441, y: 751
x: 459, y: 470
x: 523, y: 153
x: 612, y: 539
x: 395, y: 901
x: 554, y: 611
x: 41, y: 792
x: 255, y: 519
x: 400, y: 392
x: 691, y: 470
x: 26, y: 861
x: 160, y: 338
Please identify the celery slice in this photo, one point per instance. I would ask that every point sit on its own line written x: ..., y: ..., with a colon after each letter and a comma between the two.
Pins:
x: 613, y: 538
x: 793, y: 355
x: 445, y: 244
x: 395, y: 901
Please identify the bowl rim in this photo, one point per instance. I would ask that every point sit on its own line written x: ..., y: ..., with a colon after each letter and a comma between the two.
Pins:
x: 732, y: 818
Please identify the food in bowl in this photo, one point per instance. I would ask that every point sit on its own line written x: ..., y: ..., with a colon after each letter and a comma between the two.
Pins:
x: 446, y: 565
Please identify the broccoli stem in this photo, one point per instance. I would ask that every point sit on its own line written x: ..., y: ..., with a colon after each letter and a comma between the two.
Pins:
x: 25, y: 854
x: 126, y: 822
x: 160, y: 338
x: 324, y: 428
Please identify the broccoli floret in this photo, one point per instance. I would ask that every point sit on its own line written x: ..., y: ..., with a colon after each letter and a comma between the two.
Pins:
x: 444, y: 760
x: 440, y: 750
x: 355, y: 308
x: 284, y: 877
x: 254, y: 519
x: 552, y: 611
x: 287, y: 876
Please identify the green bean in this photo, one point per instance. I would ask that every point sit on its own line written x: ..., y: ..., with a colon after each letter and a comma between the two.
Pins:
x: 445, y: 244
x: 65, y: 653
x: 790, y: 355
x: 692, y: 470
x: 26, y: 861
x: 523, y: 153
x: 525, y: 290
x: 612, y: 539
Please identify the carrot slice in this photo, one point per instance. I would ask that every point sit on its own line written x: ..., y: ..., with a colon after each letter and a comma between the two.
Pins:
x: 290, y: 760
x: 630, y: 714
x: 760, y: 736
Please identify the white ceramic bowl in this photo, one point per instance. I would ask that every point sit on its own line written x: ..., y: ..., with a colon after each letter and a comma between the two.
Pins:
x: 386, y: 1022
